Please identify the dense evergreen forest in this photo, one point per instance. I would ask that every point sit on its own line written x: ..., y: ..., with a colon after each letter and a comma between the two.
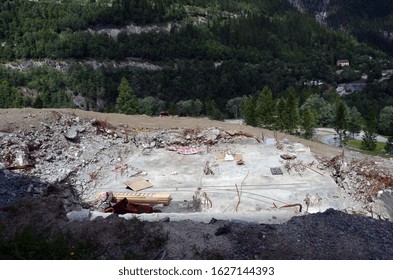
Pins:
x: 214, y: 58
x: 368, y: 21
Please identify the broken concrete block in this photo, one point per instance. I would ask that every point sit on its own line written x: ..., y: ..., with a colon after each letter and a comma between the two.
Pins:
x: 71, y: 134
x: 21, y: 158
x: 212, y: 134
x: 270, y: 141
x: 82, y: 215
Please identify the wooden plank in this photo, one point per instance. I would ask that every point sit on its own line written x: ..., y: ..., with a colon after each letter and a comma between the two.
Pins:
x: 143, y: 198
x: 138, y: 184
x: 238, y: 157
x: 224, y: 156
x: 220, y: 156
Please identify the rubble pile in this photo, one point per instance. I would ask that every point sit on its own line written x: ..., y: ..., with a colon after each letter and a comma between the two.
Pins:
x: 67, y: 149
x: 14, y: 186
x: 64, y: 149
x: 188, y: 137
x: 366, y: 180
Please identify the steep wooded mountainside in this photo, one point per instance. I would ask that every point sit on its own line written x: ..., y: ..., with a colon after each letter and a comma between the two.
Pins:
x: 191, y: 57
x: 368, y: 21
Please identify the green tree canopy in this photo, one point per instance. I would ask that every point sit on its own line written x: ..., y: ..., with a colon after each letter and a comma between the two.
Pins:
x: 341, y: 120
x: 248, y: 109
x: 389, y: 142
x: 126, y: 102
x: 265, y: 108
x: 281, y: 114
x: 369, y: 139
x: 325, y: 110
x: 385, y: 120
x: 355, y: 121
x: 309, y: 122
x: 292, y: 110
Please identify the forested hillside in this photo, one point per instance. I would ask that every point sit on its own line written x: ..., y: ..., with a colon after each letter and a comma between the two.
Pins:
x: 368, y: 21
x: 208, y: 57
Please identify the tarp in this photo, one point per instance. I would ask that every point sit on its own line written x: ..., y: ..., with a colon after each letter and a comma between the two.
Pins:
x: 186, y: 150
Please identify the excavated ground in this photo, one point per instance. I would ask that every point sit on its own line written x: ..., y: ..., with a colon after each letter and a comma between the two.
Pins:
x: 57, y: 161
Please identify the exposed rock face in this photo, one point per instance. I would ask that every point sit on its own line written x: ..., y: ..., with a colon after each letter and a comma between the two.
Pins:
x: 310, y: 5
x: 132, y: 29
x: 318, y: 8
x: 298, y: 4
x: 64, y: 65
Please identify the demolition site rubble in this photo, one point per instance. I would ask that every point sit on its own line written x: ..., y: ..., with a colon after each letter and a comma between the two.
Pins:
x: 181, y: 172
x: 201, y: 193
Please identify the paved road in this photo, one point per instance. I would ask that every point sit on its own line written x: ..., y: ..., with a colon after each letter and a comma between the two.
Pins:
x: 330, y: 137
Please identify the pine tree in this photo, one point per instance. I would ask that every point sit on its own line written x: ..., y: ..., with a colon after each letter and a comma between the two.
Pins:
x: 369, y: 139
x: 341, y: 120
x: 389, y: 145
x: 173, y: 110
x: 38, y: 103
x: 389, y: 142
x: 309, y: 122
x: 248, y: 109
x: 126, y: 102
x: 292, y: 111
x: 265, y: 108
x: 355, y: 121
x: 281, y: 115
x: 212, y: 112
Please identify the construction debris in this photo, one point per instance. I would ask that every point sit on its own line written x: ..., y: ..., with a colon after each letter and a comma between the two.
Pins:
x: 82, y: 152
x: 27, y: 166
x: 200, y: 200
x: 312, y: 169
x: 296, y: 165
x: 288, y: 156
x: 185, y: 150
x: 141, y: 198
x: 307, y: 200
x: 293, y: 205
x: 138, y: 184
x: 229, y: 154
x: 72, y: 134
x: 208, y: 169
x: 276, y: 171
x: 239, y: 192
x: 120, y: 169
x: 364, y: 179
x: 93, y: 155
x: 124, y: 207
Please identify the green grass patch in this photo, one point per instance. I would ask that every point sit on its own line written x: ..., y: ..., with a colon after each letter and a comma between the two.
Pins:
x: 379, y: 150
